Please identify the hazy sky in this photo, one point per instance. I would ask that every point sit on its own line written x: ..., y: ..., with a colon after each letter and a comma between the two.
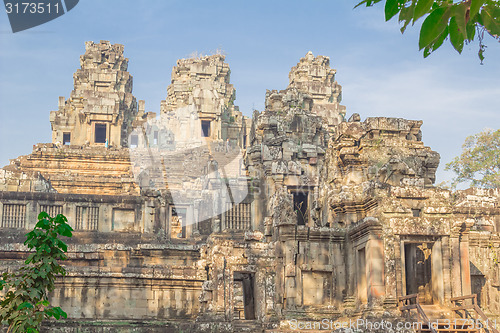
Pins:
x: 381, y: 71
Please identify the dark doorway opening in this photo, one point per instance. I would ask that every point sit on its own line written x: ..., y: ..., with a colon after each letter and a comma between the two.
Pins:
x: 477, y: 285
x: 362, y: 286
x: 205, y: 128
x: 300, y: 207
x: 418, y: 269
x: 66, y: 138
x: 100, y: 133
x: 245, y: 283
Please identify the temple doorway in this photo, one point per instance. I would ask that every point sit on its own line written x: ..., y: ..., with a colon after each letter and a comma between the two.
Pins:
x: 418, y: 269
x: 244, y: 304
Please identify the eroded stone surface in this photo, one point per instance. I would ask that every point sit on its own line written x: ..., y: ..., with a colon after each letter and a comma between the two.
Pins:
x: 338, y: 219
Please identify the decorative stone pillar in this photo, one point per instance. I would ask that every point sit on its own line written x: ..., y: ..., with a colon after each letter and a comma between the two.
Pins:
x: 456, y: 280
x: 375, y: 269
x: 464, y: 257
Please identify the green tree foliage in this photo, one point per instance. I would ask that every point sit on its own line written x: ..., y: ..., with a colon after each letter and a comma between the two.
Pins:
x: 460, y: 21
x: 25, y: 302
x: 479, y: 162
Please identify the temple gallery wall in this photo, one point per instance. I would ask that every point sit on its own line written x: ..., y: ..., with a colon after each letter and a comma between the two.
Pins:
x: 202, y: 219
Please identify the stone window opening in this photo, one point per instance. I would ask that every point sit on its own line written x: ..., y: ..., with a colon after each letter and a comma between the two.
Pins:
x: 87, y: 218
x: 155, y: 138
x: 205, y: 128
x: 52, y: 210
x: 178, y: 223
x: 14, y: 216
x: 300, y: 206
x: 416, y: 212
x: 100, y: 133
x: 66, y: 138
x: 244, y: 294
x: 134, y: 141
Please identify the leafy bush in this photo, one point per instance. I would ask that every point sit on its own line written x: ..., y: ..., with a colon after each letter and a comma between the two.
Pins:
x: 25, y: 302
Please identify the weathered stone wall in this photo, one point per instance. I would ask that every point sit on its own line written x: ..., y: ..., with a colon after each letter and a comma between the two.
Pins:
x: 122, y: 276
x: 74, y: 169
x: 241, y: 225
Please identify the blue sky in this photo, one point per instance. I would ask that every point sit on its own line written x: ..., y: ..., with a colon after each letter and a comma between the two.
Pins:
x: 381, y: 71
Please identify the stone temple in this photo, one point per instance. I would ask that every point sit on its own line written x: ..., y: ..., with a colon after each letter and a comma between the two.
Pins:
x: 201, y: 219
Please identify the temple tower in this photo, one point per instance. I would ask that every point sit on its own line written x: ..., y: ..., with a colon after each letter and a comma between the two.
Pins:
x: 101, y: 105
x: 313, y: 76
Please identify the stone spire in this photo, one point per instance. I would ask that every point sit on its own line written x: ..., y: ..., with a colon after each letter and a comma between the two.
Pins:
x: 202, y: 82
x: 313, y: 76
x: 200, y: 100
x: 101, y: 105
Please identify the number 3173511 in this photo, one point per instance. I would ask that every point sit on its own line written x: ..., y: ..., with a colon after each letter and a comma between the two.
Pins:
x: 31, y: 8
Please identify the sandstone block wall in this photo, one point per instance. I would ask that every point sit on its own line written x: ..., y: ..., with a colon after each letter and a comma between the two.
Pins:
x: 203, y: 219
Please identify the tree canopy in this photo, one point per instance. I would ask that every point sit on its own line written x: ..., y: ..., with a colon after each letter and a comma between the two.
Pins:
x: 479, y: 162
x: 459, y: 21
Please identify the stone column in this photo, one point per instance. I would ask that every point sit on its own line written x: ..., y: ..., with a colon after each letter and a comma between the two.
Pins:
x: 445, y: 250
x: 456, y: 280
x: 464, y: 258
x: 375, y: 270
x: 163, y: 224
x: 437, y: 273
x: 351, y: 261
x: 339, y: 272
x: 393, y: 269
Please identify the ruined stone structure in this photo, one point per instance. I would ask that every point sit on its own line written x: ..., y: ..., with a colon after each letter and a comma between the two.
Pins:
x: 101, y: 105
x: 201, y: 219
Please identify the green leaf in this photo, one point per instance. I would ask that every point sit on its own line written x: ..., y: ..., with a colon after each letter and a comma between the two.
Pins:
x: 64, y: 230
x: 427, y: 51
x: 436, y: 43
x: 368, y: 3
x: 481, y: 54
x: 475, y: 5
x: 60, y: 218
x: 456, y: 37
x: 406, y: 15
x: 459, y: 12
x: 43, y: 215
x: 433, y: 26
x: 391, y: 9
x: 440, y: 40
x: 491, y: 21
x: 422, y: 8
x: 43, y: 224
x: 25, y: 305
x: 60, y: 312
x: 471, y: 30
x: 361, y: 3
